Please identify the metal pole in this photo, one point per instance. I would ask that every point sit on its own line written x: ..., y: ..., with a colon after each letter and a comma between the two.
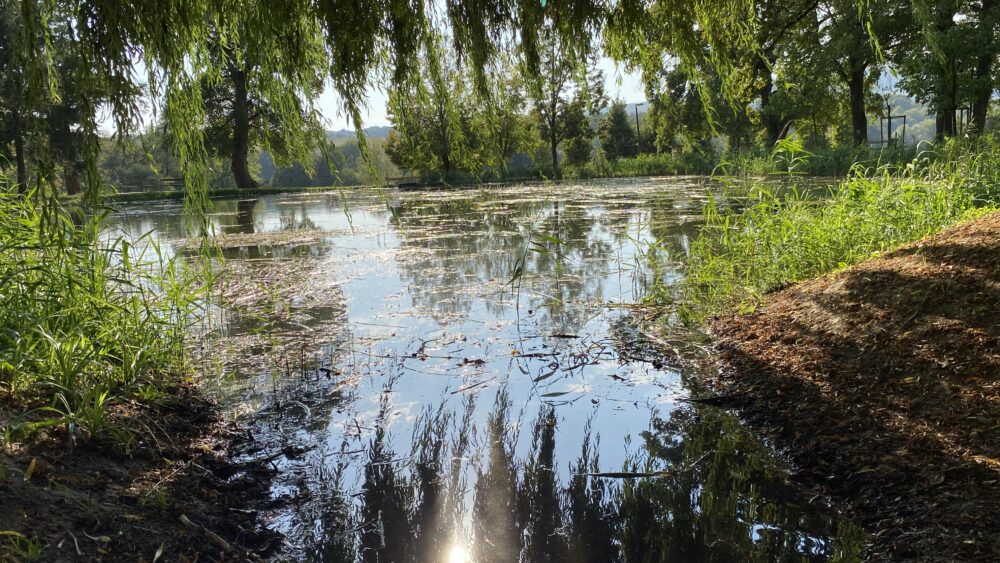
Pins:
x: 888, y: 114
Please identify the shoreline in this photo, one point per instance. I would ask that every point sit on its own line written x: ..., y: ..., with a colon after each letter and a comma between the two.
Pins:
x: 172, y: 493
x: 881, y: 383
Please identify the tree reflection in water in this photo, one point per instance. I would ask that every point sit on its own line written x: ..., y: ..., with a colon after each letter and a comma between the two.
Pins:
x: 714, y: 497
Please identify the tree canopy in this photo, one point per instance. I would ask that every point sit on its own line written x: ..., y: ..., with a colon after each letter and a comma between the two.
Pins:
x: 228, y: 78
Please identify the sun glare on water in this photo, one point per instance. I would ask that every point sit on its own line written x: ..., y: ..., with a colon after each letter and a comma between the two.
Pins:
x: 458, y: 554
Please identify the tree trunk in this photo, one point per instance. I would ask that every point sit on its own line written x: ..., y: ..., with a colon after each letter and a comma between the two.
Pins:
x: 22, y: 169
x: 241, y: 130
x: 947, y: 96
x: 446, y: 159
x: 72, y: 179
x: 947, y: 125
x: 445, y: 139
x: 949, y: 122
x: 772, y: 123
x: 856, y: 85
x: 984, y: 68
x: 983, y: 93
x: 554, y: 144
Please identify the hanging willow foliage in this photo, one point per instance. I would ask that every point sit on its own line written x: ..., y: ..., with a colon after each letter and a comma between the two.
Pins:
x: 353, y: 43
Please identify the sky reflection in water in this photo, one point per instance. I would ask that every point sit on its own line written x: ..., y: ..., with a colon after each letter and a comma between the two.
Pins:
x: 454, y: 363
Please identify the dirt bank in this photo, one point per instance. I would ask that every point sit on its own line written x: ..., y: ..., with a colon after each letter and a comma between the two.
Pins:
x: 170, y: 492
x: 882, y: 384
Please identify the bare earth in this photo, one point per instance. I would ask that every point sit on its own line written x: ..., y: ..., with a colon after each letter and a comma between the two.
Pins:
x: 882, y: 384
x: 170, y: 496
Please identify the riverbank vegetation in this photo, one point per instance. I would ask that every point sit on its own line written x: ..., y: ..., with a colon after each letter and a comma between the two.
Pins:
x: 91, y: 324
x: 765, y: 238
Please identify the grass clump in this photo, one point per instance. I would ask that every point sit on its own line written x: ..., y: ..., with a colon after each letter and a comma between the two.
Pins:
x: 773, y: 237
x: 86, y: 322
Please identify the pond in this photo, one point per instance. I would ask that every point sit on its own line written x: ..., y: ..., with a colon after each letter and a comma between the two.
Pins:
x: 466, y: 376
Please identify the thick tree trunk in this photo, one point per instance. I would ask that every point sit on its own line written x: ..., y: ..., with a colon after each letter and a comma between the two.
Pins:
x: 241, y: 130
x: 772, y: 123
x: 984, y: 68
x: 22, y: 169
x: 947, y: 96
x: 856, y: 86
x: 445, y: 154
x: 446, y: 158
x: 949, y: 123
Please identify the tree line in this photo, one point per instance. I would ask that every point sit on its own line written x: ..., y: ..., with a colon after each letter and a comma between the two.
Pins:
x: 814, y: 70
x: 471, y: 85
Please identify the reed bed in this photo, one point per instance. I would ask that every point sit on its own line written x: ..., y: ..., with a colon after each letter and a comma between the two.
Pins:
x: 778, y: 236
x: 88, y: 321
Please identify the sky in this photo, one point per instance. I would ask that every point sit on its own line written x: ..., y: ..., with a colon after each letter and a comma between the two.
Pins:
x: 617, y: 84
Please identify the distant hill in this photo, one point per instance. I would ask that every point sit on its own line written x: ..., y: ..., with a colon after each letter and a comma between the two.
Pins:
x: 378, y: 132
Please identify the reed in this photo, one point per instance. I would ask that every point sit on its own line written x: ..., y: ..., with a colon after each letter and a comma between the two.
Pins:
x: 764, y: 238
x: 88, y: 321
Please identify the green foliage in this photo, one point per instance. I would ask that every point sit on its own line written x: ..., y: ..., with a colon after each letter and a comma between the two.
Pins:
x: 566, y: 85
x: 86, y: 320
x: 262, y: 98
x: 618, y: 138
x: 22, y: 548
x: 657, y: 164
x: 579, y: 137
x: 433, y: 117
x: 777, y: 236
x: 339, y: 165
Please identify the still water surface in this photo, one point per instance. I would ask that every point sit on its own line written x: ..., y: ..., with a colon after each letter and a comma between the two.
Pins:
x: 463, y: 376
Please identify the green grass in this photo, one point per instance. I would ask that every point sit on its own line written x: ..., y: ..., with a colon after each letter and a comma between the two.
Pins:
x: 659, y: 164
x: 770, y: 238
x: 758, y: 161
x: 86, y: 320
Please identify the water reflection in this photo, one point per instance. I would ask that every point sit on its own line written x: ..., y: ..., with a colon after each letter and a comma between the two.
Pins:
x: 696, y: 488
x: 431, y: 372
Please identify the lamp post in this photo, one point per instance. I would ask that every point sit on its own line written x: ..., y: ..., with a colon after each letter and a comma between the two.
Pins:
x: 638, y: 135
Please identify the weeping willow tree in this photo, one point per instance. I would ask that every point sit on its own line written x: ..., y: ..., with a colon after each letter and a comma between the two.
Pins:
x: 132, y: 51
x: 650, y: 36
x: 262, y: 97
x: 431, y: 115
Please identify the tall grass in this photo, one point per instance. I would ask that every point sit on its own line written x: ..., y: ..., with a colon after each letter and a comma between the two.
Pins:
x: 769, y: 238
x: 658, y: 164
x: 87, y: 322
x: 758, y: 161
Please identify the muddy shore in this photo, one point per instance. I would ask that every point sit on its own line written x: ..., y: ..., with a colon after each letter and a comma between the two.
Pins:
x: 882, y: 384
x: 169, y: 495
